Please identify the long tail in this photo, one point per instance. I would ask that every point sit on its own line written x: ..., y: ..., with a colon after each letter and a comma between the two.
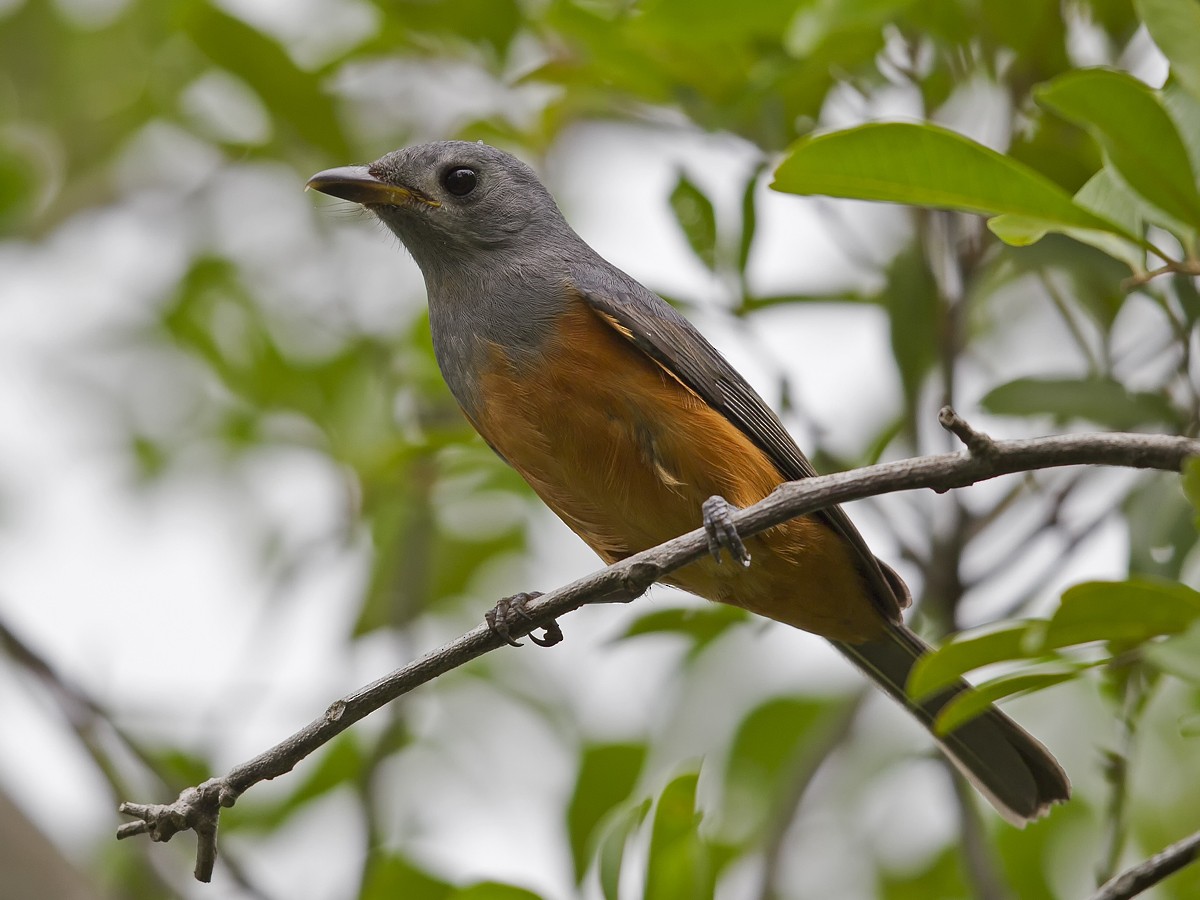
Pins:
x: 1003, y: 761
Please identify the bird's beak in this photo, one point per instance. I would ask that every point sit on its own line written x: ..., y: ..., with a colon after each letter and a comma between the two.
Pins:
x: 358, y: 185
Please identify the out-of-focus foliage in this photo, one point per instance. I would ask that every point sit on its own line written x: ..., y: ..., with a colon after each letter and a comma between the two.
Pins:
x: 1064, y: 123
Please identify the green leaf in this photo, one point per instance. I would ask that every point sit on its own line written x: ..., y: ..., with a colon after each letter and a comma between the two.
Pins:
x: 1184, y: 109
x: 1179, y: 655
x: 1129, y: 121
x: 1162, y: 528
x: 1109, y: 197
x: 1190, y: 480
x: 294, y: 97
x: 941, y: 876
x: 1088, y: 276
x: 925, y: 165
x: 702, y: 625
x: 1101, y: 400
x: 19, y: 186
x: 394, y: 876
x: 966, y: 652
x: 695, y: 214
x: 607, y: 775
x: 749, y: 218
x: 910, y: 296
x: 680, y: 865
x: 1175, y: 27
x: 767, y: 744
x: 612, y: 848
x: 1127, y: 613
x: 1018, y: 231
x: 969, y: 704
x: 489, y: 890
x: 1030, y: 856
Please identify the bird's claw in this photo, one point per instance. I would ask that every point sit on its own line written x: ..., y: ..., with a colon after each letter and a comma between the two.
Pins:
x: 505, y: 614
x: 722, y: 533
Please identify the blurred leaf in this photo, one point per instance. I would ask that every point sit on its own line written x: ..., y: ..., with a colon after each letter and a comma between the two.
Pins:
x: 1184, y: 109
x: 1162, y: 528
x: 392, y: 876
x: 966, y: 706
x: 151, y: 456
x: 19, y: 185
x: 1084, y: 275
x: 942, y: 877
x: 490, y: 890
x: 926, y: 165
x: 1031, y: 855
x: 612, y: 848
x: 968, y: 651
x: 754, y: 304
x: 179, y: 768
x: 607, y: 775
x: 1109, y: 197
x: 1190, y: 481
x: 1116, y: 17
x: 1129, y: 121
x: 695, y: 215
x: 491, y: 22
x: 1126, y: 613
x: 679, y: 865
x: 914, y: 314
x: 881, y: 441
x: 1175, y: 27
x: 1188, y: 294
x: 702, y: 625
x: 749, y: 217
x: 1036, y: 32
x: 1179, y: 655
x: 1057, y: 149
x: 1096, y: 399
x: 726, y: 72
x: 768, y: 744
x: 294, y: 97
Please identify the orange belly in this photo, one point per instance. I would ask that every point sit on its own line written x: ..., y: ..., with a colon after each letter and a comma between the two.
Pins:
x: 626, y: 455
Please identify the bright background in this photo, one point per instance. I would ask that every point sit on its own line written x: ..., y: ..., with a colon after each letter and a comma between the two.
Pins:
x: 233, y: 488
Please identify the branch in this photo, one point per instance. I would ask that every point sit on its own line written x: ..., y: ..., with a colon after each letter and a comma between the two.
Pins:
x: 198, y: 808
x: 1146, y: 874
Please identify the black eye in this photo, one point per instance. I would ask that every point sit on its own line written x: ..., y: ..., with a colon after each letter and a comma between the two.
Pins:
x: 460, y: 182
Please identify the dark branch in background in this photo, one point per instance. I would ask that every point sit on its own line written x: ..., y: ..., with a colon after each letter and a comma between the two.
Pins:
x: 198, y: 808
x: 1146, y: 874
x: 95, y: 728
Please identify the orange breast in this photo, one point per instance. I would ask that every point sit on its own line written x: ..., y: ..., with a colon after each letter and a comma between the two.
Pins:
x: 625, y: 454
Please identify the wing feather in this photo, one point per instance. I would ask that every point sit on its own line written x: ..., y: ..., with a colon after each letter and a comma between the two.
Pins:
x: 663, y: 334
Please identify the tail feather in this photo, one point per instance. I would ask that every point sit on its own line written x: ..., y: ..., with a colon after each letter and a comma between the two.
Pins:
x: 1004, y: 762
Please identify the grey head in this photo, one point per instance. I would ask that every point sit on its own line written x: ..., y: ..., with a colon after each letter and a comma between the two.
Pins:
x: 495, y: 251
x: 457, y: 206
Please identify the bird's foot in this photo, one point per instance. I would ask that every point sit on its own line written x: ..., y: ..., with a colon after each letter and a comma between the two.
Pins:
x: 509, y: 611
x: 722, y: 534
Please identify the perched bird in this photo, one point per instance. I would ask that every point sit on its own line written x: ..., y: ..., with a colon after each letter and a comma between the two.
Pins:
x: 628, y: 424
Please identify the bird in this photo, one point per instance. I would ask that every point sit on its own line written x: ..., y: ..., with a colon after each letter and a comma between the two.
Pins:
x: 631, y: 427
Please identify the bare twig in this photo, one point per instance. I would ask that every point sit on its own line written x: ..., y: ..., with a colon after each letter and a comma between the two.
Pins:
x: 1146, y: 874
x: 198, y: 808
x: 1182, y: 267
x: 976, y: 442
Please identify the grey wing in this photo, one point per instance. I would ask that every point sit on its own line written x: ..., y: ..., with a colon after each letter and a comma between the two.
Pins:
x: 663, y: 334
